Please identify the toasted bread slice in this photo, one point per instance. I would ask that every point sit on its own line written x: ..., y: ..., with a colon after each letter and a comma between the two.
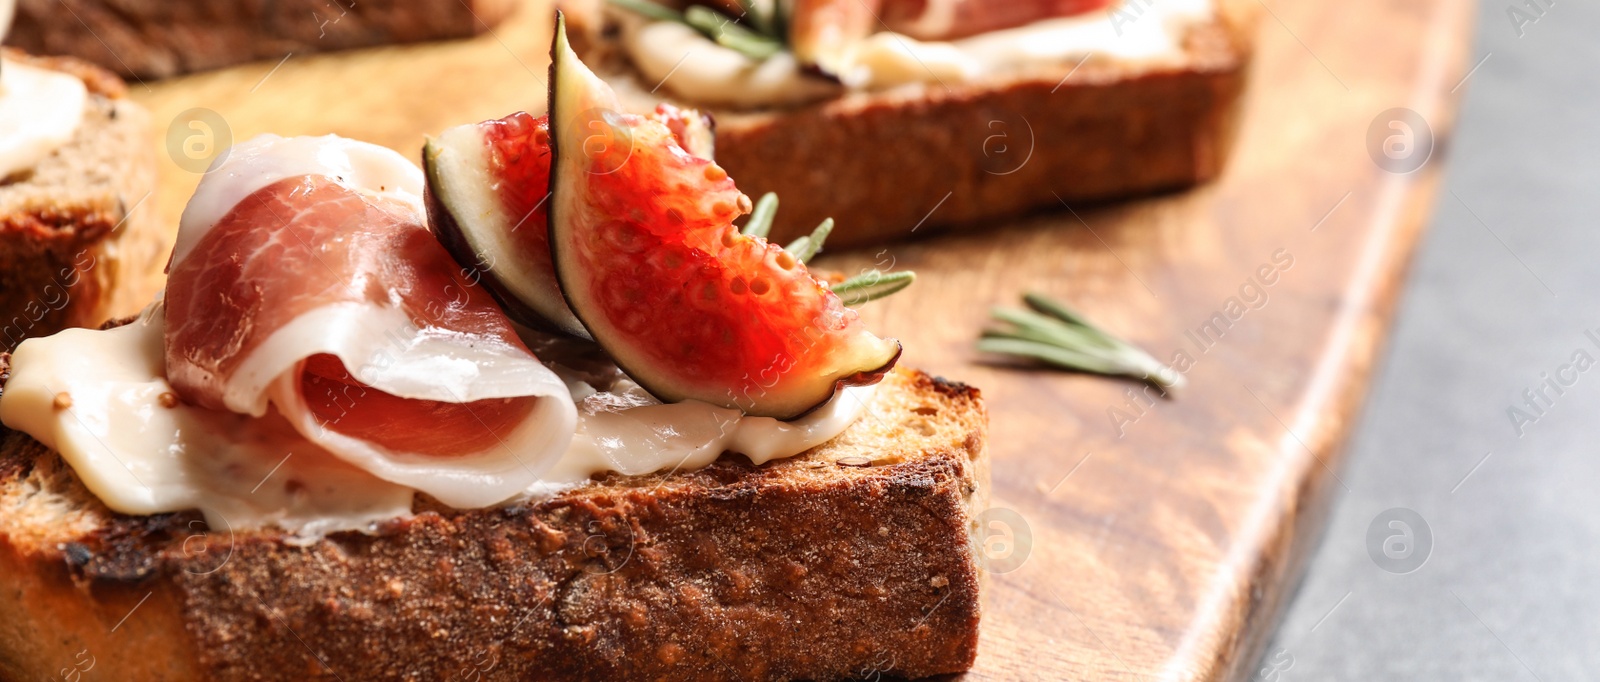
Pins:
x: 851, y: 559
x: 171, y: 37
x: 911, y: 160
x: 79, y: 243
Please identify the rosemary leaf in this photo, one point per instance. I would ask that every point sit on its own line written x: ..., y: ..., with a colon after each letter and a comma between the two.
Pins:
x: 871, y: 286
x: 1055, y: 334
x: 706, y: 20
x: 730, y: 34
x: 1062, y: 357
x: 801, y: 246
x: 778, y: 19
x: 873, y: 278
x: 1054, y: 308
x: 1035, y: 336
x: 1050, y: 328
x: 758, y: 19
x: 650, y: 9
x: 805, y: 248
x: 756, y: 47
x: 760, y: 222
x: 758, y: 43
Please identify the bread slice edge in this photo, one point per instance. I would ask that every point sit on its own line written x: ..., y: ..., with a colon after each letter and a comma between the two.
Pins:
x: 80, y: 241
x: 856, y: 557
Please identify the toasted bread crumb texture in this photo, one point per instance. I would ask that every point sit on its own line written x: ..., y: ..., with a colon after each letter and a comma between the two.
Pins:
x: 965, y: 154
x: 854, y: 558
x: 78, y: 241
x: 159, y: 39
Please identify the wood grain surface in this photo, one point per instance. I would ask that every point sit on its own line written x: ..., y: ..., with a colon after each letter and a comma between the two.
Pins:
x: 1163, y: 538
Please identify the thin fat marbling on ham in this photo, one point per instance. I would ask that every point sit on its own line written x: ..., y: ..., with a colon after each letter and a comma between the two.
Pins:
x: 304, y: 280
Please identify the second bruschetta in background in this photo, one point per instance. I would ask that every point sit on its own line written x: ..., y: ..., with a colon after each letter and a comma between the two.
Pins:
x: 922, y: 114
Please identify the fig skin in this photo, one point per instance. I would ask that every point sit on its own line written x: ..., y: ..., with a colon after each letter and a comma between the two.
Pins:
x: 446, y: 227
x: 448, y: 231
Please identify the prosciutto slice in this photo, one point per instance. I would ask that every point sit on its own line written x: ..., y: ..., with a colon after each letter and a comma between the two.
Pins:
x: 304, y: 278
x: 951, y: 19
x: 822, y: 26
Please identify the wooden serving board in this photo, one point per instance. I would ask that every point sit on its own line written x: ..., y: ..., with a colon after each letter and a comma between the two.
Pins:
x: 1153, y: 538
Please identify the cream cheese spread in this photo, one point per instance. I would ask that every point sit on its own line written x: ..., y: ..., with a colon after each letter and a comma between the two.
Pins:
x: 624, y: 429
x: 100, y: 399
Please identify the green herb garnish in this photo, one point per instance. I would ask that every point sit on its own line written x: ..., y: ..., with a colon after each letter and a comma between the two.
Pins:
x: 760, y: 222
x: 1057, y: 335
x: 873, y: 285
x: 804, y: 248
x: 758, y: 38
x: 650, y: 9
x: 867, y: 286
x: 730, y: 34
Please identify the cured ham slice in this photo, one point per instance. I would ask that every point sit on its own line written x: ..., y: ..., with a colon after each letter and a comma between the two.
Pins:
x: 951, y: 19
x: 823, y: 30
x: 304, y: 277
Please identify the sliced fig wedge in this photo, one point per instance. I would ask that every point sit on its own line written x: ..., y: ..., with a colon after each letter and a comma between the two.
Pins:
x: 487, y: 187
x: 646, y: 254
x: 486, y: 193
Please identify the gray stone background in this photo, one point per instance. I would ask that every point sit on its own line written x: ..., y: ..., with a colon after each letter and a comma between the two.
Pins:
x: 1510, y: 588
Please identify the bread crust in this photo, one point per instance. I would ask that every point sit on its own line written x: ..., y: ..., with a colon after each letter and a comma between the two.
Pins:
x: 161, y: 38
x: 852, y: 559
x: 78, y: 244
x: 918, y: 159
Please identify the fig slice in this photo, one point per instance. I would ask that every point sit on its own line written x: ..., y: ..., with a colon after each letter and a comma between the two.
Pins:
x: 487, y: 185
x: 647, y: 255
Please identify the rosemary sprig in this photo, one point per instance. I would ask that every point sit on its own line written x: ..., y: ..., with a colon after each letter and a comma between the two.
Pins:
x: 867, y: 286
x: 760, y: 222
x: 1057, y: 335
x: 758, y: 39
